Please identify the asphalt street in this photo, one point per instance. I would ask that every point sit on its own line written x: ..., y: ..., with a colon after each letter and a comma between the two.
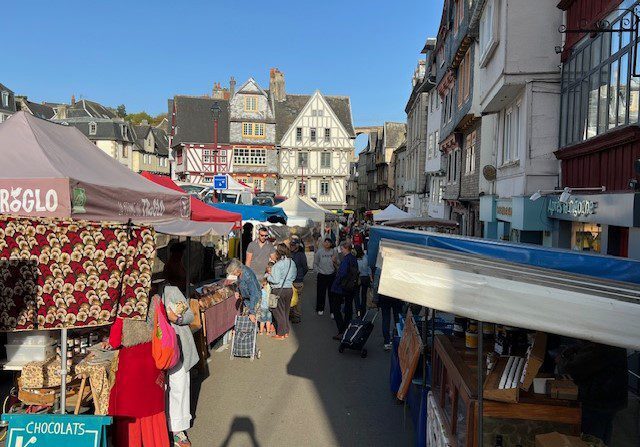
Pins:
x: 302, y: 392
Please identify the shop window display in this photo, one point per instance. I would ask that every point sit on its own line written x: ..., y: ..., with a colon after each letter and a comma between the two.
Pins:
x: 585, y: 237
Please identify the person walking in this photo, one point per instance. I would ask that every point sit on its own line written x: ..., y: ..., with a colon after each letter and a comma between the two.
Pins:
x: 344, y: 288
x: 299, y: 257
x: 259, y: 253
x: 179, y: 384
x: 324, y: 263
x: 387, y: 306
x: 365, y: 281
x: 281, y: 277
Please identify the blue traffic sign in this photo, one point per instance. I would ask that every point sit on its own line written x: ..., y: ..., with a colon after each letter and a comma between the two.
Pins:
x: 56, y: 430
x: 220, y: 182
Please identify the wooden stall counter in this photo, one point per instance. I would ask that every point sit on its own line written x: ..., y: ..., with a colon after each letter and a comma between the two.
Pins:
x: 455, y: 392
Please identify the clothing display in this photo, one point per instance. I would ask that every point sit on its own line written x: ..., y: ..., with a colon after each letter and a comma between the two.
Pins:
x: 64, y: 273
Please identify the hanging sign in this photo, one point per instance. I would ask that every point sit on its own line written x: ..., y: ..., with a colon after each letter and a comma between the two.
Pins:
x: 220, y: 182
x: 56, y: 430
x: 35, y: 197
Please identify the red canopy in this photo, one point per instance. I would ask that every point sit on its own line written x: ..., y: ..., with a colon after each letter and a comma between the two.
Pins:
x: 200, y: 211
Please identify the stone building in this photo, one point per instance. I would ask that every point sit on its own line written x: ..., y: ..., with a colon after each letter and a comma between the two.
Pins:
x: 7, y: 103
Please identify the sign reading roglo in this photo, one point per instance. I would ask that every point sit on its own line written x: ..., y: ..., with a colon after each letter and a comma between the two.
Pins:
x: 35, y: 197
x: 56, y: 430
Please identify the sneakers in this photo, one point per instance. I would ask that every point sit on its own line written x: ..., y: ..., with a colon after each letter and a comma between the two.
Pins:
x: 388, y: 346
x: 180, y: 439
x: 332, y: 317
x: 321, y: 312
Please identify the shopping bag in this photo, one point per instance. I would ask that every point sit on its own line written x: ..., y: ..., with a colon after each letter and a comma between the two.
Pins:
x: 164, y: 342
x: 294, y: 298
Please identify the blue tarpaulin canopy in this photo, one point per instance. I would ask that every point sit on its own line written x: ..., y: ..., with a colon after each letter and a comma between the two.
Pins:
x: 255, y: 212
x: 599, y: 266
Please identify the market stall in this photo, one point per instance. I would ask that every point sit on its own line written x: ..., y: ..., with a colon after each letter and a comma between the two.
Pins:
x: 255, y: 212
x: 391, y: 212
x: 505, y: 311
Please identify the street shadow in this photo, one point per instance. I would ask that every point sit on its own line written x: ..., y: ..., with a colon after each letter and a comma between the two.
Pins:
x: 241, y: 424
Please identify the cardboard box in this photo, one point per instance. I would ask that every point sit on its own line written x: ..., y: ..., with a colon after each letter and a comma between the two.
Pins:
x: 534, y: 360
x: 563, y: 389
x: 555, y: 439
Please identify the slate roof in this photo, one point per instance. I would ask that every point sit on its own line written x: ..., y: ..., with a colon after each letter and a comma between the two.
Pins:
x: 106, y: 129
x: 40, y: 110
x: 394, y: 134
x: 288, y: 110
x: 160, y: 137
x: 86, y: 108
x: 194, y: 120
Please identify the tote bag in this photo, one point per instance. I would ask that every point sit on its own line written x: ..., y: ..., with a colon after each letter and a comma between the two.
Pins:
x: 164, y: 342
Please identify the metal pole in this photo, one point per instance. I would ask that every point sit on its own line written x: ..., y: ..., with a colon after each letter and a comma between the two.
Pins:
x: 63, y: 371
x: 188, y: 265
x: 480, y: 382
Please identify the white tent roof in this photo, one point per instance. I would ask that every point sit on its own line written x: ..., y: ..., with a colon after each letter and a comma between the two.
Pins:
x: 497, y: 291
x: 297, y: 207
x: 390, y: 213
x: 328, y: 214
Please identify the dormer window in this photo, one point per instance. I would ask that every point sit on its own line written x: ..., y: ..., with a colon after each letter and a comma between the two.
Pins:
x: 93, y: 128
x: 5, y: 99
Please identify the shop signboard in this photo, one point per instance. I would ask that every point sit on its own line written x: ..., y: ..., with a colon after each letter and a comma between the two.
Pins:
x: 608, y: 209
x: 56, y: 430
x: 35, y: 197
x: 504, y: 210
x: 220, y: 182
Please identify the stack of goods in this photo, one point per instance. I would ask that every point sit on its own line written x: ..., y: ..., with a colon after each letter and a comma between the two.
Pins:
x: 213, y: 294
x: 24, y: 347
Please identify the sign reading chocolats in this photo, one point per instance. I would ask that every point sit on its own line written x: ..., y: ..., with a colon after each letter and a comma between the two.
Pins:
x: 35, y: 197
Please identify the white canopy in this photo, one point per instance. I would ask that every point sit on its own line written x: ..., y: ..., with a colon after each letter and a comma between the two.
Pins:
x: 298, y: 207
x: 513, y: 294
x: 391, y: 212
x: 193, y: 228
x: 329, y: 216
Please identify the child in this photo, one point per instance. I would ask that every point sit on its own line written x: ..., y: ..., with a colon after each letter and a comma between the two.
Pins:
x: 263, y: 311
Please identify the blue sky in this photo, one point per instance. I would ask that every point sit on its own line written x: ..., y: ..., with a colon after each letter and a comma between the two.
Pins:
x: 139, y: 53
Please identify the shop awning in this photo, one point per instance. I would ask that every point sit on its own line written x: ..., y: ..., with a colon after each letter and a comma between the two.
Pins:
x: 582, y: 263
x: 205, y: 219
x: 255, y: 212
x: 53, y: 170
x: 496, y: 291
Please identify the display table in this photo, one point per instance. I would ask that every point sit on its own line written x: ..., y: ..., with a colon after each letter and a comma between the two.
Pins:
x: 219, y: 318
x: 455, y: 393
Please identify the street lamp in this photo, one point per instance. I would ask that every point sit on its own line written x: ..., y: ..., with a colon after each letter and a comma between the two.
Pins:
x: 215, y: 111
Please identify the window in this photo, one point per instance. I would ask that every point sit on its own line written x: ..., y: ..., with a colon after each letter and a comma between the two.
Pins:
x: 250, y: 103
x: 464, y: 81
x: 206, y: 152
x: 453, y: 168
x: 303, y: 159
x: 302, y: 188
x: 511, y: 134
x: 440, y: 56
x: 243, y: 156
x: 470, y: 154
x: 207, y: 179
x: 298, y: 134
x: 253, y: 130
x: 448, y: 106
x: 324, y: 188
x: 179, y: 156
x: 206, y: 158
x: 5, y: 99
x: 459, y: 15
x: 93, y: 128
x: 436, y: 189
x: 325, y: 160
x: 598, y: 93
x: 257, y: 184
x: 125, y: 150
x: 312, y: 135
x: 327, y: 134
x: 488, y: 35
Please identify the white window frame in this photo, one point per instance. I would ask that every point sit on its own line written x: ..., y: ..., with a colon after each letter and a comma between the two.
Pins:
x: 93, y: 128
x: 324, y: 188
x: 258, y: 184
x: 303, y: 159
x: 251, y: 103
x: 489, y: 38
x: 302, y: 187
x: 325, y: 156
x: 251, y: 157
x: 298, y: 134
x: 327, y: 134
x: 470, y: 153
x: 5, y: 99
x: 511, y: 133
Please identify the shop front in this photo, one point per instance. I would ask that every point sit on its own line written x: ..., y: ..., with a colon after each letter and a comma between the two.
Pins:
x: 599, y: 223
x: 515, y: 219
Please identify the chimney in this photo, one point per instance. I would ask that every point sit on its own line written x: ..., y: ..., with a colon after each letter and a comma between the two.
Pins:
x: 144, y: 123
x: 232, y: 86
x: 217, y: 92
x: 73, y: 100
x: 276, y: 85
x: 61, y: 112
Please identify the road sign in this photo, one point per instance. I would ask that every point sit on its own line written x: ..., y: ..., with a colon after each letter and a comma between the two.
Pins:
x: 56, y: 430
x: 220, y: 182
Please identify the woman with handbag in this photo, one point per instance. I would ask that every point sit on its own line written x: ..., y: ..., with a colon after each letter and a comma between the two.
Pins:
x: 179, y: 384
x: 281, y: 278
x: 137, y: 399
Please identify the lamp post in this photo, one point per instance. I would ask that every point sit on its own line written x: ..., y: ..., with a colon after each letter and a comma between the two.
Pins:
x: 215, y: 111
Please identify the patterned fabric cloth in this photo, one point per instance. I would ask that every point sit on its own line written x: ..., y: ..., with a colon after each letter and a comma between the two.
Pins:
x: 98, y: 374
x: 244, y: 338
x: 42, y: 374
x: 63, y: 273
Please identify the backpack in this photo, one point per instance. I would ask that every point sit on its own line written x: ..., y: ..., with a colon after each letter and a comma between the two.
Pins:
x: 351, y: 280
x: 164, y: 341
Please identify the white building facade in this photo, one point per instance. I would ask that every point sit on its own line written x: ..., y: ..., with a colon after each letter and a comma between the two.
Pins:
x: 517, y: 87
x: 315, y: 154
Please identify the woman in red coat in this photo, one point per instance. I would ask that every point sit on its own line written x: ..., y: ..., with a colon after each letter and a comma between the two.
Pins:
x: 137, y: 399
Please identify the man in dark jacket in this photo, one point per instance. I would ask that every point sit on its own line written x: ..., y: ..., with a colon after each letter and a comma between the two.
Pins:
x: 344, y: 288
x: 600, y: 371
x: 299, y: 258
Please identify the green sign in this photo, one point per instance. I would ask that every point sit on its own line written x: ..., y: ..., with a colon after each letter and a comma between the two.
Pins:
x: 56, y: 430
x: 79, y: 200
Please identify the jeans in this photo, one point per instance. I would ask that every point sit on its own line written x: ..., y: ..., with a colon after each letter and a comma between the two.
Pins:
x: 387, y: 305
x: 342, y: 320
x: 323, y: 287
x: 361, y: 299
